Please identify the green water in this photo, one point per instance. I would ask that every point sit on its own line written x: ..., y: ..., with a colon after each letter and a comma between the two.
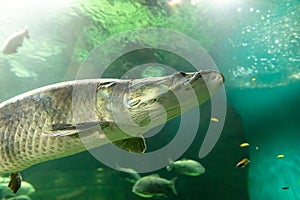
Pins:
x: 255, y: 44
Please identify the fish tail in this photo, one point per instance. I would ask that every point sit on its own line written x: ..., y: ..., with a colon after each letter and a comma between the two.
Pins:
x: 172, y: 185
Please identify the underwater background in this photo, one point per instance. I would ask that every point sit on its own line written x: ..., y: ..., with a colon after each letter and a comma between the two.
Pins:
x: 255, y: 45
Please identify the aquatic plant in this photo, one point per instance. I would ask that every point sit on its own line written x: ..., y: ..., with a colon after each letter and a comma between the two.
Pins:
x: 108, y: 18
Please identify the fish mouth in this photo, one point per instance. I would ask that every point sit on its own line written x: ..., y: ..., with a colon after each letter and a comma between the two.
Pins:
x: 208, y: 75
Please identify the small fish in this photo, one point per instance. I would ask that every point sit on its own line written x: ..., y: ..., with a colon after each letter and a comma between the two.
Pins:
x: 214, y: 119
x: 253, y: 79
x: 242, y: 163
x: 129, y: 174
x: 14, y: 41
x: 153, y: 186
x: 280, y: 156
x: 187, y: 166
x: 245, y: 144
x: 285, y: 188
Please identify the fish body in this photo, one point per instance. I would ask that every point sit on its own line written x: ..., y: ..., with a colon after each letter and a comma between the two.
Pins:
x: 15, y: 41
x: 280, y: 156
x: 52, y: 122
x: 129, y: 174
x: 243, y: 163
x: 187, y: 166
x: 154, y: 185
x: 245, y: 144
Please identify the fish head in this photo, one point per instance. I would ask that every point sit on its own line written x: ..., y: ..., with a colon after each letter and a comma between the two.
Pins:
x: 138, y: 105
x: 204, y: 83
x: 177, y: 93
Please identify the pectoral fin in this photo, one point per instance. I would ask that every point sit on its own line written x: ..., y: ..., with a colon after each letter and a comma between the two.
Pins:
x: 61, y: 133
x: 15, y: 181
x: 65, y: 129
x: 135, y: 144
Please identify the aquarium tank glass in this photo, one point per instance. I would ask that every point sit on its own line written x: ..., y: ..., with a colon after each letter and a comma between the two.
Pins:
x: 192, y: 99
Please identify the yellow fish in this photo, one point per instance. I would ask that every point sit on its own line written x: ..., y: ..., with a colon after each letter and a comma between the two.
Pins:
x: 280, y: 156
x: 245, y: 144
x: 214, y: 119
x: 242, y: 163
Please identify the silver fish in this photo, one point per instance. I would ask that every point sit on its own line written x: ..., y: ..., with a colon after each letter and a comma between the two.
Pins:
x: 39, y: 125
x: 14, y: 41
x: 187, y: 166
x: 129, y: 174
x: 153, y: 185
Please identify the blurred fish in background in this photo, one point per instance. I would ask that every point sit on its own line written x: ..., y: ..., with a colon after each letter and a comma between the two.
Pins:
x: 154, y: 186
x: 14, y: 41
x: 187, y: 166
x: 129, y: 174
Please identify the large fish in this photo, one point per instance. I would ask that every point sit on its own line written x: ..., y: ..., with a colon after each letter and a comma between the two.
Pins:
x: 50, y: 122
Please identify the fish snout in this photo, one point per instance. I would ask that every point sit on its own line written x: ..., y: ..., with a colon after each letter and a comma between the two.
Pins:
x: 211, y: 78
x: 212, y: 75
x: 223, y: 77
x: 208, y: 76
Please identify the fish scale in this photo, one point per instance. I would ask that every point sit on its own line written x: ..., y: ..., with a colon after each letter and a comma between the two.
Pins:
x: 37, y: 126
x: 21, y: 142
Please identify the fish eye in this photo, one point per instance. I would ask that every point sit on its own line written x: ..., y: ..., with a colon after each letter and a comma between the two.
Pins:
x: 199, y: 75
x: 182, y: 73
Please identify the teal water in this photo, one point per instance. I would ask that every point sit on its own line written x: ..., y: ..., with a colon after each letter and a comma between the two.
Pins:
x: 255, y: 44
